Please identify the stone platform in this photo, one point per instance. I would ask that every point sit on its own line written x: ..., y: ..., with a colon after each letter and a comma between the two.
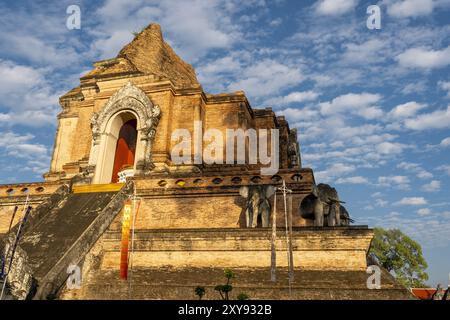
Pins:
x: 179, y: 284
x: 330, y: 263
x: 338, y: 248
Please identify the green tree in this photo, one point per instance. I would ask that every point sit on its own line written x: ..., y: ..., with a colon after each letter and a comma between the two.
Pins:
x: 400, y: 255
x: 200, y: 292
x: 225, y: 289
x: 243, y: 296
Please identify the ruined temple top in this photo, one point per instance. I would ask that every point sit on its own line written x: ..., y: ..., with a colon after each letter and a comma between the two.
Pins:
x: 148, y: 53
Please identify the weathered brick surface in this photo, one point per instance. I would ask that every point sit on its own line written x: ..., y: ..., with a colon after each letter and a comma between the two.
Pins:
x: 170, y: 283
x: 314, y: 249
x: 37, y: 193
x: 168, y: 264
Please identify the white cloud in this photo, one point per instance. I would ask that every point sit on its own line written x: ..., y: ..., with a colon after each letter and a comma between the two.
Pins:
x: 335, y: 7
x: 438, y: 119
x: 353, y: 180
x: 408, y: 166
x: 19, y: 146
x: 445, y: 85
x: 424, y: 212
x: 445, y: 168
x: 381, y: 203
x: 390, y: 148
x: 370, y: 112
x: 27, y: 96
x: 445, y: 142
x: 193, y: 27
x: 275, y: 22
x: 410, y: 8
x: 17, y: 78
x: 433, y: 186
x: 414, y: 88
x: 423, y: 58
x: 110, y: 46
x: 416, y: 168
x: 400, y: 182
x: 9, y: 138
x: 338, y: 169
x: 41, y: 38
x: 296, y: 96
x: 267, y: 77
x: 423, y: 174
x: 294, y: 114
x: 221, y: 65
x: 333, y: 172
x: 364, y: 52
x: 26, y: 150
x: 360, y: 104
x: 411, y: 201
x: 406, y: 110
x: 431, y: 232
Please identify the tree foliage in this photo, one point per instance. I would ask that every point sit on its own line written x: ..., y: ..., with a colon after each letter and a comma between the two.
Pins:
x: 243, y: 296
x: 200, y: 292
x: 225, y: 289
x: 400, y: 255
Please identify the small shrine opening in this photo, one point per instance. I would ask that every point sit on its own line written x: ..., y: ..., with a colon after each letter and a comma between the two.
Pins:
x: 125, y: 149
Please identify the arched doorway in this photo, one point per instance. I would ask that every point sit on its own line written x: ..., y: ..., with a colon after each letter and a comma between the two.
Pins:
x: 125, y: 149
x: 127, y: 104
x: 118, y: 146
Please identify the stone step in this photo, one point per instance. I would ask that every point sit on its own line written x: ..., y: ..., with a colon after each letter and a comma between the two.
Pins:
x: 180, y: 284
x: 61, y: 238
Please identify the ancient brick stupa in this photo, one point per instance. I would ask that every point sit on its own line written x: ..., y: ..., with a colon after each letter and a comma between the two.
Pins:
x: 118, y: 209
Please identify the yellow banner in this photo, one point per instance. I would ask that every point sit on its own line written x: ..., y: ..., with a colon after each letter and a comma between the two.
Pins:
x: 126, y: 224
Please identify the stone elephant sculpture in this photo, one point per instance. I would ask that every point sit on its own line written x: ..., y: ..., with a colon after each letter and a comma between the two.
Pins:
x: 257, y: 204
x: 325, y: 206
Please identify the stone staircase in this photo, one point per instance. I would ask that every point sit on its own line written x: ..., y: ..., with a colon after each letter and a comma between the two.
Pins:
x: 60, y: 236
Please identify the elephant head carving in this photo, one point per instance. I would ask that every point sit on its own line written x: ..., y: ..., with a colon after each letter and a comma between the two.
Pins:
x: 324, y: 206
x: 257, y: 204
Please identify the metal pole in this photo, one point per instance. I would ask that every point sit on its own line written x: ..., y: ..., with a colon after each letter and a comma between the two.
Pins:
x: 284, y: 189
x: 12, y: 218
x: 291, y: 255
x: 273, y: 260
x: 2, y: 271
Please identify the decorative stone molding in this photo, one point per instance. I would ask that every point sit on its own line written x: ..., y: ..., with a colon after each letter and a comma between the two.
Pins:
x: 133, y: 99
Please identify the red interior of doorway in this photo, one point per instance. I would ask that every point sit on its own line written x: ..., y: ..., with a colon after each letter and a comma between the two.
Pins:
x: 125, y: 148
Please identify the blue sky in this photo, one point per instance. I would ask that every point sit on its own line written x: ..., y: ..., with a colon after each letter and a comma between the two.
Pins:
x: 372, y: 106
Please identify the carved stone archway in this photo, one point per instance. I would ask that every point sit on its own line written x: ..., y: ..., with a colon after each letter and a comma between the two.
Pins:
x: 129, y: 101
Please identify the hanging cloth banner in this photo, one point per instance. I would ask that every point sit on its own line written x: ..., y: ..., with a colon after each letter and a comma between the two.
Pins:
x: 125, y: 239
